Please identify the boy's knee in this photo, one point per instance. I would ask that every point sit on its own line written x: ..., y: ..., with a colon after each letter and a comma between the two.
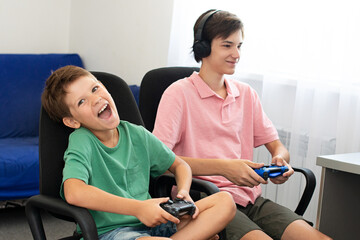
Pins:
x: 227, y: 205
x: 225, y: 198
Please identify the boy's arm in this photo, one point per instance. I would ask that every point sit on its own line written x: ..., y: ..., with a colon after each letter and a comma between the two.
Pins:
x: 149, y: 212
x: 281, y: 157
x: 183, y: 177
x: 80, y: 194
x: 238, y: 171
x: 278, y: 152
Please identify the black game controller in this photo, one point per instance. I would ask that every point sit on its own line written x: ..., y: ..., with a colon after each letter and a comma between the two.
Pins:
x: 179, y: 207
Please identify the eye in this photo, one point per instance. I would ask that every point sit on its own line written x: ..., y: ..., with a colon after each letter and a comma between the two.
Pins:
x: 95, y: 88
x: 227, y: 45
x: 81, y: 102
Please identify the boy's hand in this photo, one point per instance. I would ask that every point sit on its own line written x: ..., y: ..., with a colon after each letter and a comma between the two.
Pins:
x: 241, y: 172
x: 183, y: 194
x: 278, y: 160
x: 151, y: 214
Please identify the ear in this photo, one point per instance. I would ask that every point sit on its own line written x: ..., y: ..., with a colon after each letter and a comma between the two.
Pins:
x: 71, y: 122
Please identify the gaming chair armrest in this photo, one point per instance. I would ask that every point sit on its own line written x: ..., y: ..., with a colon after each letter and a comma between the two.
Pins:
x: 59, y: 207
x: 164, y: 183
x: 308, y: 191
x: 204, y: 186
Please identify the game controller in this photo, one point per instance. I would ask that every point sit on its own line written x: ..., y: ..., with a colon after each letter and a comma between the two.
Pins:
x: 179, y: 207
x: 271, y: 171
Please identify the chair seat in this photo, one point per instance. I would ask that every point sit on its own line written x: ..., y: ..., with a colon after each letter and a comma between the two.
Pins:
x: 19, y: 167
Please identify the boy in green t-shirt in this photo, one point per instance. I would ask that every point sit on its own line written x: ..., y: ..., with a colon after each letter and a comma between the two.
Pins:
x: 109, y: 162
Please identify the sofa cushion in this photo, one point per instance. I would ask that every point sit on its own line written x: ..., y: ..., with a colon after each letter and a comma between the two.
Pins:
x: 19, y: 167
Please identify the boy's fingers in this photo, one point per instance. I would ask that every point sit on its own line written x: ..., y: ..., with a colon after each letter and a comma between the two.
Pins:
x: 170, y: 217
x: 255, y: 165
x: 163, y: 200
x: 257, y: 178
x: 180, y: 196
x: 197, y: 211
x: 163, y: 220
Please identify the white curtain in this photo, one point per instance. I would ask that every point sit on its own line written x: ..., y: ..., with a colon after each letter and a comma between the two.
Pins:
x: 302, y: 57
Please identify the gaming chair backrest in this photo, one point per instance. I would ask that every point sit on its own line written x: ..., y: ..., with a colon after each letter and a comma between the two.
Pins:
x: 53, y: 137
x: 152, y: 87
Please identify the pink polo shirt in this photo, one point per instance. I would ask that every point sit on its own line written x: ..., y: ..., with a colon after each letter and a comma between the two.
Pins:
x: 194, y: 121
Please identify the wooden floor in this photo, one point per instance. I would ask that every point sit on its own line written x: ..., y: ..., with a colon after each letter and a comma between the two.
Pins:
x: 14, y: 226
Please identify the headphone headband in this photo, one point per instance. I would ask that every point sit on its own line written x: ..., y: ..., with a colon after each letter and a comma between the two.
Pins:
x: 198, y: 35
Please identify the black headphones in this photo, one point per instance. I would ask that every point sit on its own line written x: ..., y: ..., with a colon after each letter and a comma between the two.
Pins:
x: 202, y: 48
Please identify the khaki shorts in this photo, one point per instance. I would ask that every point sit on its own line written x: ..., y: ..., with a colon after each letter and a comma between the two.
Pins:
x: 263, y: 215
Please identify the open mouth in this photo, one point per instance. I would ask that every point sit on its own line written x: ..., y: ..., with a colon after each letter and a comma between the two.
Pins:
x: 105, y: 111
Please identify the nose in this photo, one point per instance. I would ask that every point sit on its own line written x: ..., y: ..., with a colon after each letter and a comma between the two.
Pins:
x: 236, y: 53
x: 96, y: 99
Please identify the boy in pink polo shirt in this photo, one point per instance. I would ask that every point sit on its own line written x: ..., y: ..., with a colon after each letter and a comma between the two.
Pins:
x: 214, y: 123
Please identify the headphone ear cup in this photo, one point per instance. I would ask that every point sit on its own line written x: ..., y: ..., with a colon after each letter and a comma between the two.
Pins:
x: 202, y: 49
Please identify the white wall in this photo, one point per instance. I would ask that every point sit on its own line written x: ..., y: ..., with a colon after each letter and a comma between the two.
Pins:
x: 127, y: 38
x: 34, y: 26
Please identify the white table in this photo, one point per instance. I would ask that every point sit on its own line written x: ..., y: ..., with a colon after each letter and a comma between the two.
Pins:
x: 339, y: 201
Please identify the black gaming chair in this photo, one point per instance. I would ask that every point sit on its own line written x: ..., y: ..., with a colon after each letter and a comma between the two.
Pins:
x: 53, y: 142
x: 152, y: 87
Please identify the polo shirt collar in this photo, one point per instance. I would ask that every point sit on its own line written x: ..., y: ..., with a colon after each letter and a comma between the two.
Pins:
x: 205, y: 91
x: 231, y: 89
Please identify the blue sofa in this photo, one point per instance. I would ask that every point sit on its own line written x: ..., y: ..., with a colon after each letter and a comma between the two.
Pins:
x: 22, y: 78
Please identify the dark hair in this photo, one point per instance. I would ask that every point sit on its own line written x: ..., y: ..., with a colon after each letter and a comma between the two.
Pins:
x: 221, y: 24
x: 54, y: 92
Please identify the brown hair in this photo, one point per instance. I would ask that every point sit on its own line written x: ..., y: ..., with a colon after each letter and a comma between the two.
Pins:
x: 54, y: 92
x: 221, y: 24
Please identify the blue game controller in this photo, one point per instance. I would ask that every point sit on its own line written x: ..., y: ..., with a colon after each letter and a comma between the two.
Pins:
x: 271, y: 171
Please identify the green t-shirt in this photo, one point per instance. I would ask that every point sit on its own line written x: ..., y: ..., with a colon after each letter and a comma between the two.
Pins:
x: 124, y: 170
